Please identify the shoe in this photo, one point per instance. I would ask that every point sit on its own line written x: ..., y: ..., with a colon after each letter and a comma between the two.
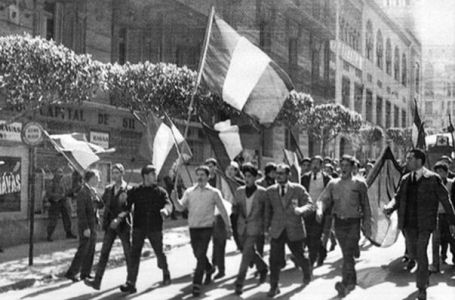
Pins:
x: 219, y: 275
x: 196, y: 291
x: 433, y: 269
x: 273, y: 292
x: 411, y: 264
x: 128, y: 288
x: 263, y: 276
x: 73, y: 278
x: 71, y: 236
x: 49, y: 239
x: 357, y: 252
x: 166, y: 278
x: 89, y: 276
x: 405, y: 259
x: 332, y: 247
x: 422, y: 295
x: 238, y: 289
x: 322, y: 256
x: 341, y: 289
x: 208, y: 276
x: 93, y: 283
x: 350, y: 287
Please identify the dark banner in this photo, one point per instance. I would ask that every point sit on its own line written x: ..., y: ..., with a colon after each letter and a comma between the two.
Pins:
x: 10, y: 183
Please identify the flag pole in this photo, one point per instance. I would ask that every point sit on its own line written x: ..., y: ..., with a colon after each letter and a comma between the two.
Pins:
x: 202, y: 59
x: 451, y: 130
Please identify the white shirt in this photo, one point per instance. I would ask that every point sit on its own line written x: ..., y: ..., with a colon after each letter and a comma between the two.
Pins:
x: 316, y: 185
x: 249, y: 203
x: 418, y: 173
x: 286, y: 187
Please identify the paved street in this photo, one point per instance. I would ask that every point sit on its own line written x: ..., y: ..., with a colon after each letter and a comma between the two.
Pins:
x: 380, y: 276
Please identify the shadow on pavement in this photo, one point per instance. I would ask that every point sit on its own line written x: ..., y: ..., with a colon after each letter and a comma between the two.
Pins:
x: 47, y: 290
x: 92, y: 294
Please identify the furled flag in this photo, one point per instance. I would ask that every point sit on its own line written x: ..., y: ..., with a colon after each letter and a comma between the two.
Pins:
x: 77, y: 150
x: 244, y: 76
x: 159, y: 143
x: 382, y: 184
x: 292, y: 159
x: 418, y: 131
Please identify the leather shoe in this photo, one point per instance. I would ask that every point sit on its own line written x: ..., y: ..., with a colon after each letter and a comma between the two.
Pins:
x: 71, y: 236
x: 422, y: 295
x: 166, y: 279
x: 208, y: 276
x: 88, y: 276
x: 73, y: 278
x: 196, y: 291
x: 433, y: 269
x: 263, y: 276
x: 341, y: 289
x: 219, y: 275
x: 273, y: 292
x: 128, y: 288
x: 411, y: 264
x: 238, y: 289
x: 93, y: 283
x: 49, y: 239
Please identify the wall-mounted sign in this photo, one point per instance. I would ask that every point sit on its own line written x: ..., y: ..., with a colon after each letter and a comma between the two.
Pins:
x: 100, y: 138
x: 10, y: 132
x: 10, y: 183
x: 32, y: 134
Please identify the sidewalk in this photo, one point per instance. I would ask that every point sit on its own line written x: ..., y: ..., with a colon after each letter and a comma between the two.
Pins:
x: 52, y: 259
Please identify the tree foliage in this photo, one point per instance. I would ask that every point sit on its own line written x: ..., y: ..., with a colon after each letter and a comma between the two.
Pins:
x: 296, y: 109
x: 371, y: 134
x: 34, y: 72
x: 402, y: 137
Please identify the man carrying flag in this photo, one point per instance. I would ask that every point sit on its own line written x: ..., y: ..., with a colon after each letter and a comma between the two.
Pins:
x: 418, y: 131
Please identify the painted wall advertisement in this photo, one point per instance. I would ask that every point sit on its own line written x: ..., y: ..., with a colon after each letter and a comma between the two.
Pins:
x: 10, y: 184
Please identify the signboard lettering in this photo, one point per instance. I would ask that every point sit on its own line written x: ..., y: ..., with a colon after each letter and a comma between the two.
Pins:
x: 10, y: 183
x: 100, y: 138
x: 10, y: 132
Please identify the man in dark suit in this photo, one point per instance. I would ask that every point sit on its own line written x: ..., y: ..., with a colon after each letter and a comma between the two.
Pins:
x: 417, y: 200
x: 115, y: 223
x: 87, y: 203
x: 249, y: 206
x: 286, y: 203
x: 315, y: 182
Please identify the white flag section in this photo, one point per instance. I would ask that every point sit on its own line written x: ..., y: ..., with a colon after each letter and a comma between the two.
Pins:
x: 76, y: 148
x: 163, y: 143
x: 382, y: 184
x: 230, y: 137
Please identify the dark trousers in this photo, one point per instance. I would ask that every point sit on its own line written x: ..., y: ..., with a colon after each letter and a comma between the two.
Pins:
x: 156, y: 240
x: 347, y: 232
x: 260, y: 242
x: 200, y: 239
x: 219, y: 244
x: 446, y: 238
x: 313, y: 240
x: 249, y: 255
x: 56, y: 209
x: 83, y: 259
x: 416, y: 244
x: 277, y: 253
x: 109, y: 237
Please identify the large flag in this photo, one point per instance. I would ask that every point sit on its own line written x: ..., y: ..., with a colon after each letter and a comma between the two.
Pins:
x: 292, y: 159
x: 418, y: 131
x: 382, y: 183
x: 244, y: 76
x: 75, y: 147
x: 159, y: 143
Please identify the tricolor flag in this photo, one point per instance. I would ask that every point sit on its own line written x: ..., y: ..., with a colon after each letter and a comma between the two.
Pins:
x: 418, y: 131
x: 382, y: 184
x: 159, y: 143
x: 244, y: 76
x: 291, y: 158
x: 77, y: 150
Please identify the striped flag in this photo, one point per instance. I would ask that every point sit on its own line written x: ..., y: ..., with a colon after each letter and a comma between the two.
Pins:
x: 77, y: 150
x: 292, y: 159
x: 244, y: 76
x: 418, y: 131
x: 159, y: 143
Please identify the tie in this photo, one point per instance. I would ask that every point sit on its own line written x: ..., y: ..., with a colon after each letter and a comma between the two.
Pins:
x: 414, y: 177
x: 314, y: 176
x: 282, y: 191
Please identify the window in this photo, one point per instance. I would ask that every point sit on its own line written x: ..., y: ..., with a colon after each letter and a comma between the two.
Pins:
x: 293, y: 56
x: 369, y: 106
x: 403, y: 118
x: 404, y: 74
x: 265, y: 16
x: 379, y: 111
x: 417, y: 78
x: 49, y: 20
x: 379, y: 50
x: 388, y: 57
x: 396, y: 64
x: 122, y: 46
x: 358, y: 91
x: 267, y: 146
x: 388, y: 114
x: 396, y: 116
x: 345, y: 92
x: 369, y: 41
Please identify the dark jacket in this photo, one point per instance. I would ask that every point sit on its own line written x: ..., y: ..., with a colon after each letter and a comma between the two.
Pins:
x: 430, y: 192
x: 113, y: 207
x: 305, y: 180
x: 148, y: 201
x: 87, y: 203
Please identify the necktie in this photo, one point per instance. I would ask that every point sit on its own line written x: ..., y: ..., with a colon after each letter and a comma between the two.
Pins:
x: 414, y: 177
x: 314, y: 176
x: 282, y: 191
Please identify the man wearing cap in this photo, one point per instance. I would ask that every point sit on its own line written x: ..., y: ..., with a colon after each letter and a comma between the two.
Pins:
x: 348, y: 199
x: 151, y: 205
x: 305, y: 165
x: 286, y: 203
x: 448, y: 161
x: 200, y: 201
x: 314, y: 182
x: 116, y: 222
x: 417, y: 199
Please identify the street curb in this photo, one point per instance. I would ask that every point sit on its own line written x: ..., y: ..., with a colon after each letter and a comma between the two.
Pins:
x: 112, y: 263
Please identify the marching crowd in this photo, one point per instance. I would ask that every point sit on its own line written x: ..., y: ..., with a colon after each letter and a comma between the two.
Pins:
x: 330, y: 201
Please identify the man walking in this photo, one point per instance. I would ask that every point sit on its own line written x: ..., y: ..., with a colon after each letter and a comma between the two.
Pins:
x: 348, y: 197
x: 151, y: 205
x: 249, y: 206
x: 201, y: 200
x: 87, y: 203
x: 417, y: 200
x: 286, y: 203
x: 59, y: 204
x: 315, y: 182
x: 115, y: 223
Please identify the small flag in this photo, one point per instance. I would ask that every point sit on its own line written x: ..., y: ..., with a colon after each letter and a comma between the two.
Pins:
x: 244, y: 76
x: 292, y: 159
x: 159, y: 143
x: 418, y: 131
x: 75, y: 147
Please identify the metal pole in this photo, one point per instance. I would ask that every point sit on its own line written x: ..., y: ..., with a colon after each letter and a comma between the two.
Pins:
x: 32, y: 162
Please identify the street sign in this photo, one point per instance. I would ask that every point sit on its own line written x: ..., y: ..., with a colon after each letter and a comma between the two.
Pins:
x: 32, y: 134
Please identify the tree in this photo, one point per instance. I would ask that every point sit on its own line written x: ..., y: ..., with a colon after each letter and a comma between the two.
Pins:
x: 296, y: 109
x: 401, y: 137
x: 36, y: 72
x: 327, y: 121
